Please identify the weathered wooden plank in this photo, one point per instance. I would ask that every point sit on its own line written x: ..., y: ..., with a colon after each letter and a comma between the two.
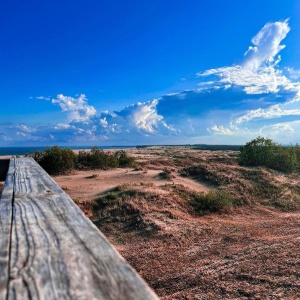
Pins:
x: 5, y: 229
x: 56, y: 252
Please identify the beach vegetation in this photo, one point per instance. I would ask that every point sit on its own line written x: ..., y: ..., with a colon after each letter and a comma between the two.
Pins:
x: 264, y: 152
x: 214, y: 200
x: 165, y: 174
x: 59, y: 161
x: 55, y: 160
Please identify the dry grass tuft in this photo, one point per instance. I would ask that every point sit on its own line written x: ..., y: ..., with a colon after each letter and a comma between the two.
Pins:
x: 64, y: 187
x: 93, y: 176
x: 88, y: 207
x: 166, y: 174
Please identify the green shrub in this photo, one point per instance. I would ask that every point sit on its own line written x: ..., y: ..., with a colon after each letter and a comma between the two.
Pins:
x: 98, y: 159
x: 265, y: 152
x: 258, y: 152
x: 123, y: 159
x: 284, y: 160
x: 213, y: 201
x: 55, y: 160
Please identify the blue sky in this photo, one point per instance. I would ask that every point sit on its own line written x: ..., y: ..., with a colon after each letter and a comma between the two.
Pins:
x: 149, y: 72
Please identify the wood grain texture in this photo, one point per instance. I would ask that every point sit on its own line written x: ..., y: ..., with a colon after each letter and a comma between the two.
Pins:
x: 5, y: 229
x: 56, y: 252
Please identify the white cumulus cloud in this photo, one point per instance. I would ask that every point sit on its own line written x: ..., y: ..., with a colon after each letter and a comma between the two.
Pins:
x: 266, y: 45
x: 257, y: 74
x: 144, y: 117
x: 77, y: 108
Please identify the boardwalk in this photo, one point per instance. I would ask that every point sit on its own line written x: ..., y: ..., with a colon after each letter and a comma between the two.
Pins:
x: 50, y: 250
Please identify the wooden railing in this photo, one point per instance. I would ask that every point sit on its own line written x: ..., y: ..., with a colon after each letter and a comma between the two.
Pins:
x: 50, y: 250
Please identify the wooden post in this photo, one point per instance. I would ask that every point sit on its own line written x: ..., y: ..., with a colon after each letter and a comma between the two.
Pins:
x: 50, y: 250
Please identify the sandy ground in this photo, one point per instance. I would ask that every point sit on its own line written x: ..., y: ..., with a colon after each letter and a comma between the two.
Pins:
x: 251, y: 251
x: 87, y: 185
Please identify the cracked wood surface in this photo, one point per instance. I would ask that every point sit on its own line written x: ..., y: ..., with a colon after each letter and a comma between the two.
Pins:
x: 50, y: 250
x: 5, y: 229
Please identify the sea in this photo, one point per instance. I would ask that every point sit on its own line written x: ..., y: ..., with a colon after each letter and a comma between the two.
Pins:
x: 27, y: 150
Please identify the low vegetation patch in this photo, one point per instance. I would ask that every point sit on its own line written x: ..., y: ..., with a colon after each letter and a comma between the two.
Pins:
x: 288, y: 202
x: 202, y: 173
x: 165, y: 174
x: 252, y: 176
x: 89, y: 208
x: 213, y: 201
x: 265, y: 186
x: 93, y: 176
x: 127, y: 205
x: 156, y: 164
x: 182, y: 192
x: 57, y: 161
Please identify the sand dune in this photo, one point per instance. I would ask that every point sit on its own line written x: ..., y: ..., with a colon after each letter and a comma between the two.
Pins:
x: 249, y: 250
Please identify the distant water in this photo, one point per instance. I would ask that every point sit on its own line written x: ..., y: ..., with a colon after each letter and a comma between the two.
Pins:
x: 26, y: 150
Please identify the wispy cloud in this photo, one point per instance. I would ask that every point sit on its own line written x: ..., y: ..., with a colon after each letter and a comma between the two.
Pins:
x: 23, y: 128
x: 221, y: 130
x: 4, y: 137
x: 275, y: 111
x: 293, y: 74
x: 280, y: 129
x: 42, y: 98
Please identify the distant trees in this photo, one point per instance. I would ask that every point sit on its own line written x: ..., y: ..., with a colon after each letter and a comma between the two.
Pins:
x: 264, y: 152
x: 56, y: 160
